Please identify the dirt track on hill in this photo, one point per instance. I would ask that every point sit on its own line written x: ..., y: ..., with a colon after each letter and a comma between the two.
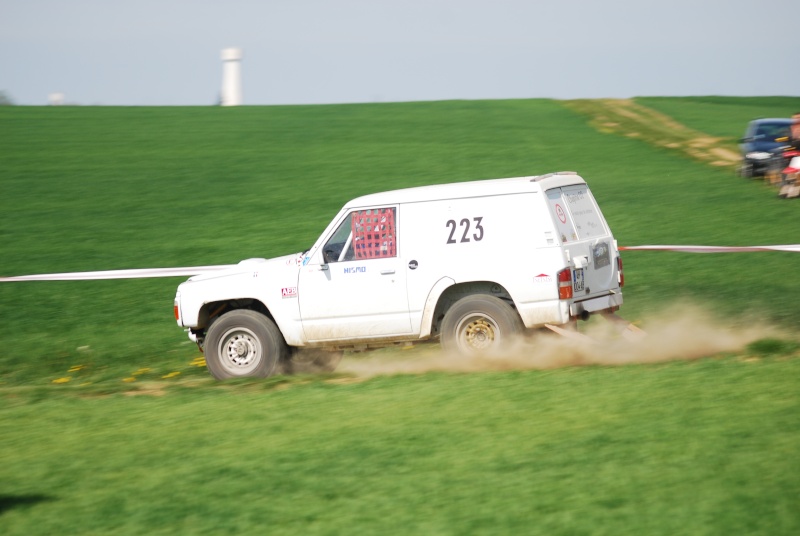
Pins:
x: 626, y: 118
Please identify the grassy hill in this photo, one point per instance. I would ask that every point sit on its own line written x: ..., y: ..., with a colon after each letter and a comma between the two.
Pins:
x: 721, y: 116
x: 693, y: 447
x: 113, y: 188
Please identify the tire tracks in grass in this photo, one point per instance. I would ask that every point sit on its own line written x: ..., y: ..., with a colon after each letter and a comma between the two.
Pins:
x: 627, y: 118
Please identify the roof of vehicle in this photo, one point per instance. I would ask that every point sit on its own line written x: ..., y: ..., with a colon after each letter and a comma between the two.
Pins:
x: 776, y: 120
x: 460, y: 190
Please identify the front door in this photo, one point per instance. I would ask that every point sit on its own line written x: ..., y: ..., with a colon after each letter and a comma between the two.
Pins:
x: 354, y: 287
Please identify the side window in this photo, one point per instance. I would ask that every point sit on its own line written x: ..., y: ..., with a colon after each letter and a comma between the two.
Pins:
x: 374, y: 233
x: 340, y: 246
x: 364, y: 234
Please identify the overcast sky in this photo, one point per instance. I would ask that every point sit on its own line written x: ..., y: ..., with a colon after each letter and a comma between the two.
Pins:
x: 167, y: 52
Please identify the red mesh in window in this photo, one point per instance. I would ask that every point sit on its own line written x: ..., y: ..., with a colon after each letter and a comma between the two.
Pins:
x: 373, y: 233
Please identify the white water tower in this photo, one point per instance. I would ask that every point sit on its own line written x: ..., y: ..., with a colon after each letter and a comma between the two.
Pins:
x: 56, y: 99
x: 231, y: 77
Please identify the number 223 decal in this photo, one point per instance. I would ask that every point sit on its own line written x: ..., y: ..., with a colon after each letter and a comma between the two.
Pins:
x: 477, y: 236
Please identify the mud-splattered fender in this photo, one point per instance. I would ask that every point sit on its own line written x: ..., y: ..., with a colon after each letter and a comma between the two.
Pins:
x: 424, y: 322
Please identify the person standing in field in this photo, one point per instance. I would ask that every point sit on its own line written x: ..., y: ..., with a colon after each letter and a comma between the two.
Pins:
x: 794, y: 134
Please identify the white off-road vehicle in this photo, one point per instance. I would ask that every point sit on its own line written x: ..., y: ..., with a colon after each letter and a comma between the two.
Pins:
x: 471, y: 264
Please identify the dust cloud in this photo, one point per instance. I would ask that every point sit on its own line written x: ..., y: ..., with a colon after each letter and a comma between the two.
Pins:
x: 682, y: 332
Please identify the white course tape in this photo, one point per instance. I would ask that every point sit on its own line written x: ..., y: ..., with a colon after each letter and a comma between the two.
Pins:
x: 120, y: 274
x: 174, y: 272
x: 713, y: 249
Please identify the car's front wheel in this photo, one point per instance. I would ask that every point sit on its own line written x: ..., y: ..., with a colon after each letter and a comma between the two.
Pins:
x: 244, y: 343
x: 746, y: 170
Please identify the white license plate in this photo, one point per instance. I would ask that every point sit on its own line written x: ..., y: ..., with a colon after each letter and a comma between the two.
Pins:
x: 577, y: 279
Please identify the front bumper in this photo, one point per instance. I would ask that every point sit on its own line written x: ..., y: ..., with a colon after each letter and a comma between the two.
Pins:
x: 759, y: 166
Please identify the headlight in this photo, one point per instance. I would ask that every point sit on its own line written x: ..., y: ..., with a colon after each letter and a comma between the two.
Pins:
x: 758, y: 155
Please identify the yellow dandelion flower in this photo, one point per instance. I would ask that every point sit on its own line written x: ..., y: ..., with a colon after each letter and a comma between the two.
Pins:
x: 76, y: 368
x: 141, y: 371
x: 170, y: 375
x: 129, y: 380
x: 62, y: 380
x: 198, y: 362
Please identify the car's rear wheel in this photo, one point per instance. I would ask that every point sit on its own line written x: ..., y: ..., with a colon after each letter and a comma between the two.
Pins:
x: 479, y: 324
x: 244, y: 343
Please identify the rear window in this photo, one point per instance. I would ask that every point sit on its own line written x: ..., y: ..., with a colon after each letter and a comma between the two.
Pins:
x: 576, y: 214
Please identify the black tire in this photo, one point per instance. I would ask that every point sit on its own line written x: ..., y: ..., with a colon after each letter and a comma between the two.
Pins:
x: 479, y: 324
x: 746, y: 170
x: 311, y: 361
x: 244, y: 343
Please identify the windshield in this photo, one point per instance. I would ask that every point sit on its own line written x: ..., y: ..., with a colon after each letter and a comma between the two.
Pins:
x: 770, y: 131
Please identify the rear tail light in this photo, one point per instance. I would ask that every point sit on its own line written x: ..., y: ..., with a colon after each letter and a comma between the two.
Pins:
x: 620, y: 275
x: 177, y: 311
x: 565, y: 284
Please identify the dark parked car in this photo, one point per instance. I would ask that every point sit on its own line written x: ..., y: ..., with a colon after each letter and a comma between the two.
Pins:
x: 759, y: 144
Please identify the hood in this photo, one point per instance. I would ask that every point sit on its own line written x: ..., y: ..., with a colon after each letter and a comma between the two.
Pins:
x: 257, y: 265
x: 760, y: 146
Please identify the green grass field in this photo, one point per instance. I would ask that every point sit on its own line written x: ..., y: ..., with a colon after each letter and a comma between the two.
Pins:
x: 701, y: 447
x: 708, y: 447
x: 725, y: 117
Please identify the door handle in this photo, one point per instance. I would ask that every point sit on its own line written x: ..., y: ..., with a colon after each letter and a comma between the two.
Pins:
x: 387, y: 272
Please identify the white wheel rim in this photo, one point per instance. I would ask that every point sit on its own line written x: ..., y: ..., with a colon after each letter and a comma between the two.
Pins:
x: 240, y: 351
x: 477, y: 333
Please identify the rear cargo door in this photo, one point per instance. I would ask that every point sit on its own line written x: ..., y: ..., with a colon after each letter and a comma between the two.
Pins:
x: 584, y: 235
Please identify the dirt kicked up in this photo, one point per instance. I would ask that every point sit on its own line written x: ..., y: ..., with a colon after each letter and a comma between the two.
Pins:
x: 681, y: 333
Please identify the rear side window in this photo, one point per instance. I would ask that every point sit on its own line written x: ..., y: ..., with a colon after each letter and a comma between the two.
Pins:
x: 576, y: 214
